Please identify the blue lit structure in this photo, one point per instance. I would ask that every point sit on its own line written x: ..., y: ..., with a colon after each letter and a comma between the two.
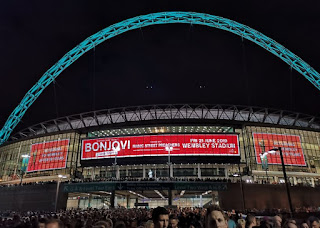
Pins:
x: 153, y: 19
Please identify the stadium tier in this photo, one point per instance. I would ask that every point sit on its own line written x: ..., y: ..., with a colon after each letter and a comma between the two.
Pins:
x: 177, y: 155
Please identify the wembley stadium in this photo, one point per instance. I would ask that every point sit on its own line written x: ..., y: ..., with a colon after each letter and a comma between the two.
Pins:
x: 157, y: 155
x: 243, y: 158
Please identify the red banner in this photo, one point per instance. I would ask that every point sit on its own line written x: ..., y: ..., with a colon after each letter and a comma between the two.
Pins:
x: 160, y: 145
x: 48, y: 155
x: 290, y: 145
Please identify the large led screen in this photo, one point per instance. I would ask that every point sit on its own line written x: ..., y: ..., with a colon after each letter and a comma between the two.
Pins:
x: 48, y: 155
x: 161, y: 145
x: 290, y: 145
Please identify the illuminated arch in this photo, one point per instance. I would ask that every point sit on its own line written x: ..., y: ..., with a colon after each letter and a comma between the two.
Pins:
x: 152, y: 19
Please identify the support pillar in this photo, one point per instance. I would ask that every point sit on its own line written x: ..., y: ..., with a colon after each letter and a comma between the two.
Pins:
x: 171, y: 170
x: 143, y: 171
x: 312, y: 182
x: 128, y: 201
x: 170, y: 197
x: 226, y: 172
x: 214, y: 202
x: 112, y: 198
x: 295, y: 182
x: 92, y: 173
x: 79, y: 200
x: 276, y: 179
x: 199, y: 171
x: 201, y: 204
x: 90, y: 199
x: 117, y: 172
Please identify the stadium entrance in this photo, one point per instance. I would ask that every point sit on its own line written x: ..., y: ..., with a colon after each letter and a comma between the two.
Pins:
x: 143, y: 194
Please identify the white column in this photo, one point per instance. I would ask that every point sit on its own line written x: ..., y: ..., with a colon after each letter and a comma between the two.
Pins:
x: 92, y: 173
x: 171, y: 170
x: 276, y: 179
x: 201, y: 201
x: 143, y: 171
x: 117, y: 172
x: 295, y: 181
x: 115, y: 202
x: 199, y: 171
x: 312, y: 182
x: 226, y: 172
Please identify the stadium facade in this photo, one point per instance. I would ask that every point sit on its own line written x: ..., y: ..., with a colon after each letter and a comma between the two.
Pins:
x: 183, y: 155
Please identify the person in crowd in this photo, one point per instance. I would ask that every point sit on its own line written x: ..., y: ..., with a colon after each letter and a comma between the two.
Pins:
x: 304, y: 224
x: 215, y: 218
x: 173, y: 221
x: 54, y: 223
x: 109, y: 223
x: 104, y: 224
x: 160, y: 217
x: 251, y: 221
x: 314, y: 222
x: 231, y: 222
x: 290, y: 223
x: 277, y: 221
x: 120, y: 224
x: 149, y: 224
x: 42, y: 223
x: 241, y: 223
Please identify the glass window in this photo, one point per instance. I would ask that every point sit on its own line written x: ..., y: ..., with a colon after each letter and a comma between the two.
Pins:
x: 180, y: 172
x: 164, y: 172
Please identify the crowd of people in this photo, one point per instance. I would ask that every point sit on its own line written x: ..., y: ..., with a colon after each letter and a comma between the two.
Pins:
x: 125, y: 179
x: 160, y: 217
x: 102, y: 179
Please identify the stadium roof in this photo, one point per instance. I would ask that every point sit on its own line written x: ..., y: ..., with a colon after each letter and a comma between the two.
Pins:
x: 146, y: 114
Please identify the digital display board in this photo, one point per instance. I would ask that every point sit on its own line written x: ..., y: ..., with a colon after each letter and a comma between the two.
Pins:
x: 161, y: 145
x: 48, y: 155
x: 290, y: 145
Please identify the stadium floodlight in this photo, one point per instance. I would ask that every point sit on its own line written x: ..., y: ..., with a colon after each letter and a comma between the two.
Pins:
x: 24, y: 165
x: 62, y: 176
x: 272, y: 151
x: 25, y: 156
x: 264, y: 159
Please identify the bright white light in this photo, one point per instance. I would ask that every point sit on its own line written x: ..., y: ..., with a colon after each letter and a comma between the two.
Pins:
x: 159, y: 193
x: 182, y: 192
x: 206, y: 193
x: 169, y: 148
x: 25, y: 156
x: 141, y: 196
x: 272, y: 151
x: 62, y: 176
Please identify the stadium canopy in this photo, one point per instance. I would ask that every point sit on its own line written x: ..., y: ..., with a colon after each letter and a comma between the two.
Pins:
x: 183, y: 113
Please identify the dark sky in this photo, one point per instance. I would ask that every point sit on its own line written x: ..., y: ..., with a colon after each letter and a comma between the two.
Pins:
x: 174, y: 59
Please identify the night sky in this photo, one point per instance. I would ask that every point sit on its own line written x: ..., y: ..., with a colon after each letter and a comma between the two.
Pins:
x: 175, y: 59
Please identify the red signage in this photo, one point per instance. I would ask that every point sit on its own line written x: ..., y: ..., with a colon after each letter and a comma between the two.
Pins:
x: 48, y: 155
x: 290, y: 145
x: 160, y: 145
